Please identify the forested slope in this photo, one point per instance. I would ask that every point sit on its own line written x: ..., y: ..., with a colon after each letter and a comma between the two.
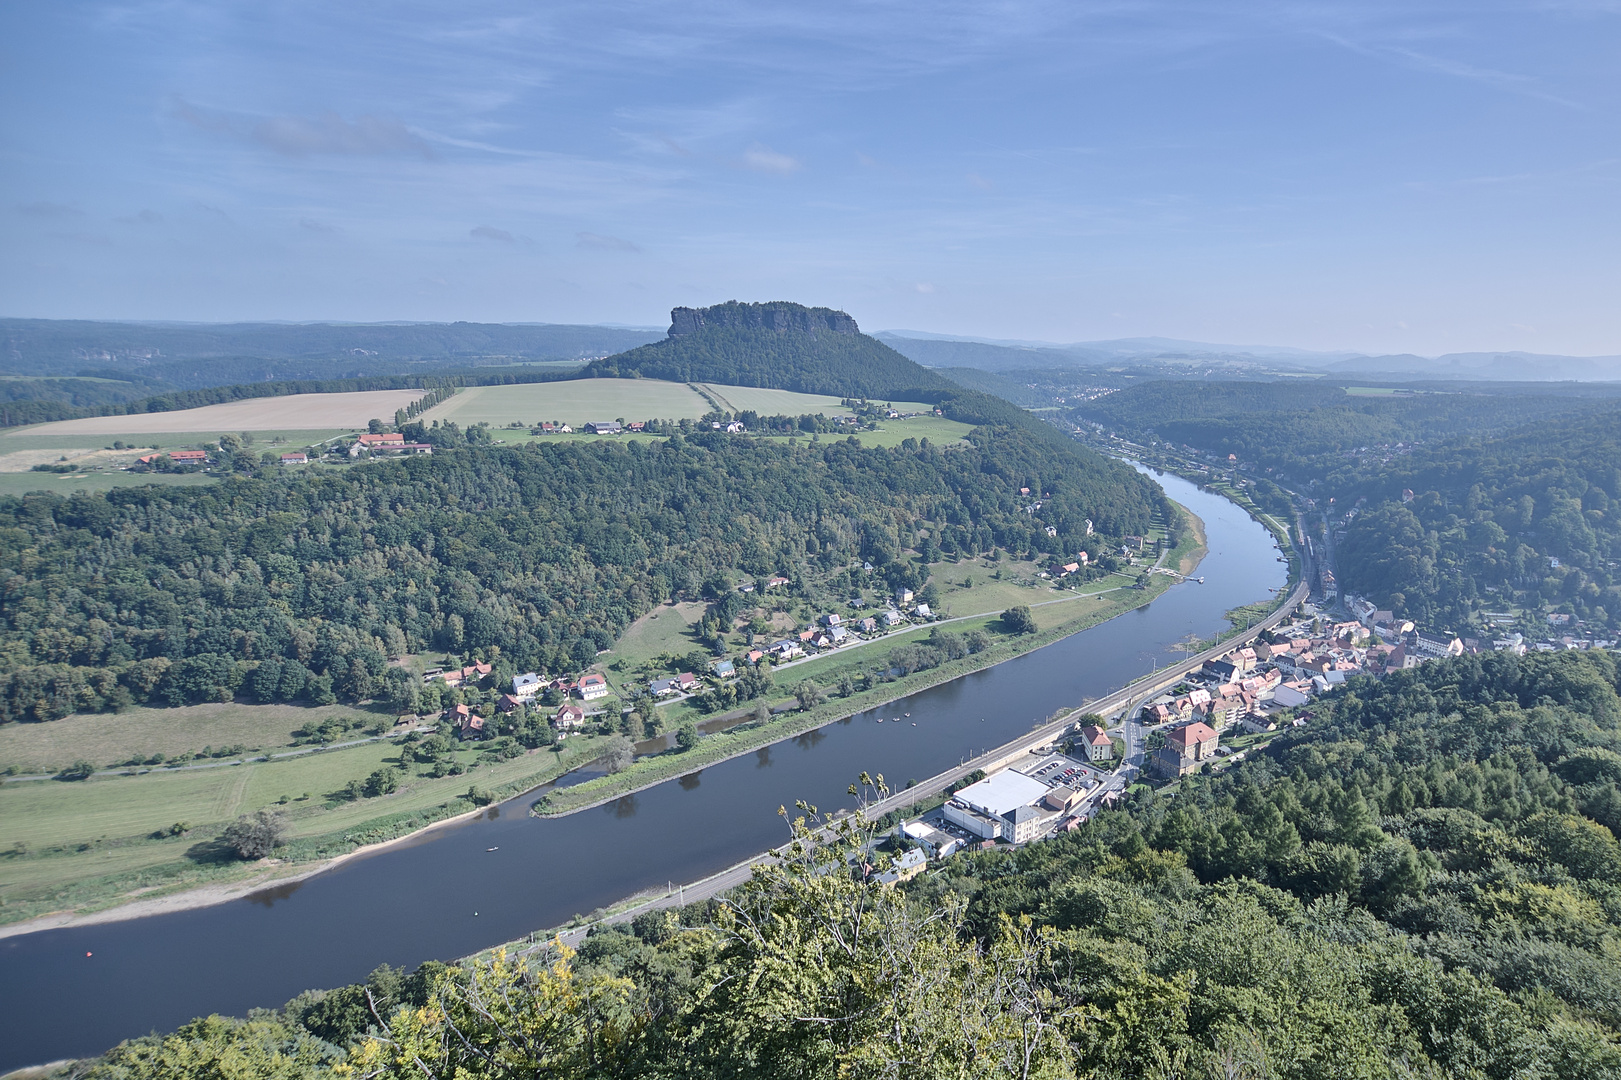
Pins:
x: 296, y: 586
x: 1298, y: 428
x: 1424, y: 882
x: 1530, y: 519
x: 1512, y: 506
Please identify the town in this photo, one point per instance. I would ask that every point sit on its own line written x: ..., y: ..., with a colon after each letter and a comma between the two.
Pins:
x: 1209, y: 721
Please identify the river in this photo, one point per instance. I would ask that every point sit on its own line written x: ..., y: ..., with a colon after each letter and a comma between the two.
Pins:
x: 76, y: 991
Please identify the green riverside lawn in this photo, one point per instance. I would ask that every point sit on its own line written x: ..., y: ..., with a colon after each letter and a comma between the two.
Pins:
x: 88, y: 845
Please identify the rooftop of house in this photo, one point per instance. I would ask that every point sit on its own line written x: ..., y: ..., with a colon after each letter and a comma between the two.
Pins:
x: 1195, y: 732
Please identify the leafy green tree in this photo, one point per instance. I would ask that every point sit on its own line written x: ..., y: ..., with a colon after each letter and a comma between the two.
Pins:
x: 1018, y: 620
x: 618, y: 755
x: 383, y: 781
x: 809, y: 695
x: 253, y: 836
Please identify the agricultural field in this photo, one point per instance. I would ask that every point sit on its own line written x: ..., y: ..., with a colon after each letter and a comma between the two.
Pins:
x: 773, y: 402
x: 338, y: 411
x: 575, y: 402
x: 580, y: 401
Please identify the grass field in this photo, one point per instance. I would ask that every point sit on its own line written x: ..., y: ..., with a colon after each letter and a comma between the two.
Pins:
x: 86, y: 843
x: 108, y: 739
x: 665, y: 629
x: 100, y: 468
x: 67, y: 484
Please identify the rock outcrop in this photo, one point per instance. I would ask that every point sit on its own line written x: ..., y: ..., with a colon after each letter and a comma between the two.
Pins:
x: 780, y: 316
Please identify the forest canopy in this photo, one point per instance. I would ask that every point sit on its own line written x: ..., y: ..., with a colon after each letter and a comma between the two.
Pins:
x: 298, y: 586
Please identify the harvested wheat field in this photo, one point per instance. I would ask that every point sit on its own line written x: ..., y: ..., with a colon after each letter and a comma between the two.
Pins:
x: 293, y: 412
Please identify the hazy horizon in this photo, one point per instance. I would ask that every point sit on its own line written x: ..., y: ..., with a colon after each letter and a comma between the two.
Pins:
x: 1327, y: 177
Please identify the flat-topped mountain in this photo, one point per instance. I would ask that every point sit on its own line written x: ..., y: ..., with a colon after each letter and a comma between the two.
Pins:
x: 780, y: 345
x: 779, y: 316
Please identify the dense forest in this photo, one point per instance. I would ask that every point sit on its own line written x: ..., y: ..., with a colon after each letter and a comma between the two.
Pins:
x: 1297, y: 427
x: 1531, y: 520
x: 297, y: 586
x: 1424, y: 881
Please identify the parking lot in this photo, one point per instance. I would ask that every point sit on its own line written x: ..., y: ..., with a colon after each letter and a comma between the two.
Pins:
x: 1060, y: 770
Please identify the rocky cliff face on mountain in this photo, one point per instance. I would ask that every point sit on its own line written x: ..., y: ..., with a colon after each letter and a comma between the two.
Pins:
x: 780, y: 316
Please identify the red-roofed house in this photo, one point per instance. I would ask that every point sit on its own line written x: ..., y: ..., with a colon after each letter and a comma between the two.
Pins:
x: 569, y: 716
x: 593, y: 686
x: 1096, y: 741
x: 1185, y: 749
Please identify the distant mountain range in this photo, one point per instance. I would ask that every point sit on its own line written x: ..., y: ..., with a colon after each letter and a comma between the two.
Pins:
x: 989, y: 354
x: 194, y: 355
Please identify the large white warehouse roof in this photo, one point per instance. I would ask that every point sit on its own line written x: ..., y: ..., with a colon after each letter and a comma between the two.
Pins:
x: 1007, y: 790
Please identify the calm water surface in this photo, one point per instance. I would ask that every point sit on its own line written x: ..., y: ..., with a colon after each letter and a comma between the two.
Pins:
x: 446, y: 895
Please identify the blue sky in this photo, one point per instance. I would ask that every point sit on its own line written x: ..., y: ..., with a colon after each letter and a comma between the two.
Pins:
x: 1418, y: 176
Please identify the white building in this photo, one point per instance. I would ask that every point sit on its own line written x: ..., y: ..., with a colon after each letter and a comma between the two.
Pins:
x: 999, y: 806
x: 525, y: 686
x: 939, y: 844
x: 593, y: 687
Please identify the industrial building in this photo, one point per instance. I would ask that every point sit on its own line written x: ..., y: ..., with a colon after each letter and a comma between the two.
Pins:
x: 1000, y: 807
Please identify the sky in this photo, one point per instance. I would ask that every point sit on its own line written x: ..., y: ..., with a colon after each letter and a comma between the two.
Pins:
x: 1384, y: 177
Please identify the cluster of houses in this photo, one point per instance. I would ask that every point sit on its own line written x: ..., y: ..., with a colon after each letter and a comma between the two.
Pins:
x: 615, y: 427
x: 177, y: 457
x: 385, y: 443
x: 1251, y: 686
x: 833, y: 631
x: 591, y: 686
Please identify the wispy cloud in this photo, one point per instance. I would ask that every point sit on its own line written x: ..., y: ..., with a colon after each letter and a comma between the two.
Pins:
x: 603, y: 243
x: 761, y: 158
x: 490, y: 232
x: 314, y: 226
x: 979, y: 183
x: 304, y: 136
x: 49, y: 210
